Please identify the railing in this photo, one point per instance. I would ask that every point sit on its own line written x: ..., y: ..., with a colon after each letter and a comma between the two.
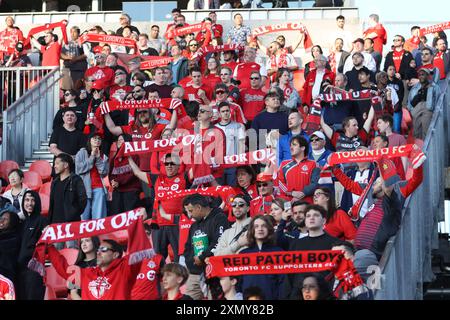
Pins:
x: 14, y: 82
x: 29, y: 120
x: 406, y: 262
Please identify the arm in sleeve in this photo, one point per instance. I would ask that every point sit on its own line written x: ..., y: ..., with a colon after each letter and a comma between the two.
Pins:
x: 412, y: 184
x: 83, y: 162
x: 102, y: 165
x: 348, y: 183
x: 81, y: 193
x: 220, y: 225
x: 58, y: 261
x: 282, y: 240
x: 309, y: 189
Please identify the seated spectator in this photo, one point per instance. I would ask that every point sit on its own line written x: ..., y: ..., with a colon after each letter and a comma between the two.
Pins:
x: 338, y: 223
x: 314, y: 287
x: 422, y: 100
x: 245, y: 178
x: 253, y: 293
x: 174, y: 276
x: 292, y: 225
x: 261, y: 238
x: 92, y: 166
x: 67, y: 139
x: 7, y: 291
x: 17, y: 191
x: 276, y: 210
x: 233, y: 239
x: 295, y: 121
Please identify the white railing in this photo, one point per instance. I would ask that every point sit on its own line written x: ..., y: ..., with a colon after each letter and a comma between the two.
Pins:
x: 28, y: 121
x: 14, y: 82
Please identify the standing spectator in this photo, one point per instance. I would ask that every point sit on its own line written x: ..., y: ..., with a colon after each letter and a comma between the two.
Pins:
x: 179, y: 65
x: 234, y: 238
x: 252, y: 99
x: 239, y: 33
x: 226, y: 78
x: 295, y: 121
x: 339, y: 32
x: 272, y: 118
x: 51, y: 51
x: 313, y: 81
x: 221, y: 94
x: 125, y: 21
x: 211, y: 75
x: 217, y: 29
x: 261, y: 238
x: 338, y: 56
x: 442, y: 58
x: 385, y: 126
x: 156, y: 42
x: 320, y: 154
x: 10, y: 36
x: 427, y: 61
x: 68, y: 138
x: 397, y: 85
x: 352, y: 75
x: 244, y: 69
x: 229, y: 288
x: 209, y: 225
x: 316, y: 51
x: 100, y: 72
x: 368, y: 60
x: 234, y: 139
x: 30, y: 284
x: 229, y: 59
x: 74, y: 58
x: 292, y: 224
x: 297, y: 177
x: 9, y: 242
x: 338, y: 223
x: 369, y: 48
x: 422, y: 100
x: 174, y: 276
x: 126, y: 187
x: 143, y: 47
x: 120, y: 89
x: 206, y: 4
x: 92, y: 166
x: 279, y: 58
x: 245, y: 178
x: 283, y: 81
x: 262, y: 203
x: 399, y: 57
x: 376, y: 32
x: 17, y: 191
x: 67, y: 194
x: 160, y: 84
x: 196, y: 89
x: 80, y: 109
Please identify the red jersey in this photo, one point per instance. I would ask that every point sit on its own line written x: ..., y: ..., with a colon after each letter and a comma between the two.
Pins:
x: 261, y: 205
x: 171, y: 207
x: 146, y: 285
x: 243, y: 71
x: 184, y: 226
x: 51, y: 55
x: 252, y: 102
x: 191, y: 93
x: 185, y: 81
x: 211, y: 80
x: 6, y: 287
x: 9, y: 39
x: 297, y: 176
x: 340, y: 226
x: 380, y: 39
x: 237, y: 115
x: 115, y: 283
x: 104, y: 74
x: 397, y: 56
x: 439, y: 63
x: 118, y: 93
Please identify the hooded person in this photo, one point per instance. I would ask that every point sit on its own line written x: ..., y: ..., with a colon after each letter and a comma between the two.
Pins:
x: 30, y: 284
x: 9, y: 241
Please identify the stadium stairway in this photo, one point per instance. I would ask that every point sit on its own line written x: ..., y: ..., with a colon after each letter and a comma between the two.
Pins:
x: 39, y: 154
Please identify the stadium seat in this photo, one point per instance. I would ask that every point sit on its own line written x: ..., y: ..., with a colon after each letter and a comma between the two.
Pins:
x: 45, y: 203
x: 33, y: 180
x: 8, y: 187
x: 70, y: 254
x: 43, y: 168
x: 6, y: 166
x: 45, y: 188
x: 57, y: 283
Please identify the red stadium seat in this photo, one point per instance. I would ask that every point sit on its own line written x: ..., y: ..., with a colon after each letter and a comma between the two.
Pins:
x: 45, y: 203
x: 43, y: 168
x: 70, y: 254
x: 6, y: 166
x: 45, y: 188
x: 56, y: 282
x: 33, y: 180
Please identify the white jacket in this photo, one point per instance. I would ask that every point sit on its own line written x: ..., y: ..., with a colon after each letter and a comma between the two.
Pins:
x: 228, y: 243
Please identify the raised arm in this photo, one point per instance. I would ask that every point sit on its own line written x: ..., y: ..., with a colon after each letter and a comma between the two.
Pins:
x: 115, y: 130
x: 369, y: 119
x: 326, y: 128
x: 141, y: 175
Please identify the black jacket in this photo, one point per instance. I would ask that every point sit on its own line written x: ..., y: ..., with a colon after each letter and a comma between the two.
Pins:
x: 74, y: 198
x: 212, y: 227
x: 9, y: 248
x: 31, y: 231
x: 404, y: 64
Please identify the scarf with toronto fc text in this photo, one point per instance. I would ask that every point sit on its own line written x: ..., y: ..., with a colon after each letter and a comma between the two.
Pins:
x: 139, y: 249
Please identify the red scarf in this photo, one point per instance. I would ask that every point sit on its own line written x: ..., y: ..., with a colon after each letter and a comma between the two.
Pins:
x: 155, y: 62
x: 139, y: 248
x: 307, y: 42
x: 104, y: 38
x: 224, y: 192
x: 282, y: 61
x: 211, y: 49
x: 356, y: 208
x: 112, y: 105
x: 435, y: 28
x: 62, y: 24
x: 193, y: 28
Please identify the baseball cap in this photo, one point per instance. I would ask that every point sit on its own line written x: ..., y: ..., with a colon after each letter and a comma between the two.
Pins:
x: 427, y: 70
x: 318, y: 134
x: 263, y: 177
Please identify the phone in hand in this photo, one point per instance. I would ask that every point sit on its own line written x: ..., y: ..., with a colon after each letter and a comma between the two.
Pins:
x: 287, y: 205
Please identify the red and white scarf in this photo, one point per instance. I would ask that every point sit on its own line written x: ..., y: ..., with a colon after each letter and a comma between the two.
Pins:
x: 307, y: 41
x: 211, y: 49
x: 104, y: 38
x: 154, y: 62
x: 435, y: 28
x: 49, y: 26
x: 165, y: 103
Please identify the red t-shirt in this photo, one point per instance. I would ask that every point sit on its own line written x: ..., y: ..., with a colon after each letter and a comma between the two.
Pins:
x: 252, y: 102
x: 104, y: 74
x: 185, y: 81
x: 211, y: 80
x: 380, y: 39
x: 175, y: 183
x: 439, y: 63
x: 242, y: 73
x: 51, y: 55
x: 397, y: 56
x: 96, y: 180
x: 146, y: 285
x: 6, y: 287
x: 191, y: 93
x: 237, y: 115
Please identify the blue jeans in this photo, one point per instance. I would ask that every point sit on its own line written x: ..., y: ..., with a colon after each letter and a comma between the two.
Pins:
x: 397, y: 122
x: 95, y: 207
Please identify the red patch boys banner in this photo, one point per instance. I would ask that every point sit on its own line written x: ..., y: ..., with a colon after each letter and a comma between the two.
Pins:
x: 104, y: 38
x: 155, y: 62
x: 307, y: 42
x: 435, y: 28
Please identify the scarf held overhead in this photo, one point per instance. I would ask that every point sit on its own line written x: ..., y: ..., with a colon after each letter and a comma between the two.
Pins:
x: 62, y: 24
x: 223, y: 192
x: 113, y: 105
x: 435, y: 28
x: 193, y: 28
x: 155, y: 62
x: 307, y: 41
x: 104, y: 38
x: 62, y: 232
x: 221, y: 48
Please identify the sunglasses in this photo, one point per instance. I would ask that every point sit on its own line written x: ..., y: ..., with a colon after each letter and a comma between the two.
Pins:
x: 170, y: 164
x: 254, y: 78
x: 262, y: 185
x: 67, y: 94
x: 238, y: 205
x: 220, y: 92
x: 104, y: 249
x: 193, y: 45
x: 315, y: 140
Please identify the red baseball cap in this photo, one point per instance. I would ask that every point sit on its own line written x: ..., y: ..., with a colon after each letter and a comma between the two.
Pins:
x: 264, y: 177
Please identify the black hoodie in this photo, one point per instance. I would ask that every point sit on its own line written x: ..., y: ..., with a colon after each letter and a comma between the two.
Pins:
x: 31, y: 230
x: 9, y: 247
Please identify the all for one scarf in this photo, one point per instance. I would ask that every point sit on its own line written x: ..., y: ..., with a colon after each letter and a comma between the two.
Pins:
x: 203, y: 51
x: 138, y: 249
x: 261, y: 30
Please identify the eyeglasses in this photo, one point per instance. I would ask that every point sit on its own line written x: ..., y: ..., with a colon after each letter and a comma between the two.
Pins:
x: 262, y: 185
x: 396, y: 40
x: 240, y: 205
x: 203, y: 111
x: 104, y: 249
x: 309, y: 287
x: 254, y: 78
x: 318, y: 194
x: 220, y: 92
x: 170, y: 164
x: 316, y: 140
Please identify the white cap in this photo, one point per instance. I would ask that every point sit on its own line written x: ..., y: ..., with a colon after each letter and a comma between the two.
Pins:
x: 318, y: 134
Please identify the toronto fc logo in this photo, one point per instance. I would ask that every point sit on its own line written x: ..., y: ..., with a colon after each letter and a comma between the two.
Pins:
x: 99, y: 286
